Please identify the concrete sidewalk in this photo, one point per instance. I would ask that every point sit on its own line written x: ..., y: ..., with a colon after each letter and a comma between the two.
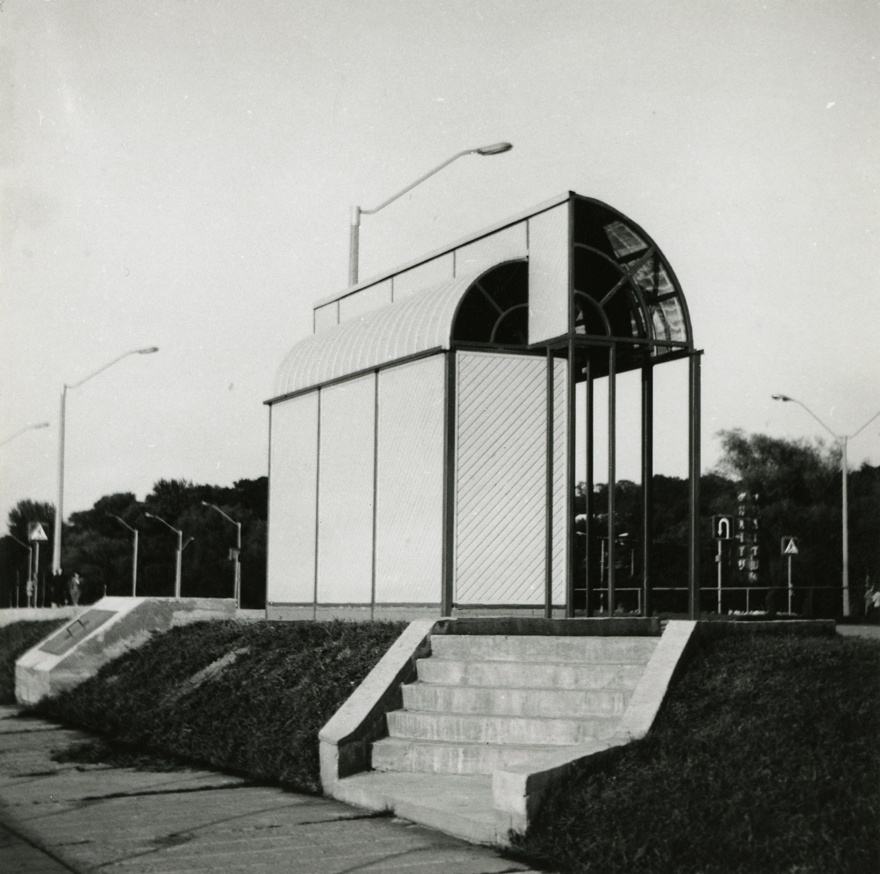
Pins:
x: 58, y: 817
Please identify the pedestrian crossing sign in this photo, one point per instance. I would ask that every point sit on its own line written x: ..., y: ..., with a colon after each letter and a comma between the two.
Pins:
x: 36, y: 532
x: 789, y: 546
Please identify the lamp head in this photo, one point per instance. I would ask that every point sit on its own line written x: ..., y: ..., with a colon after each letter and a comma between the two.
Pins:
x: 148, y: 351
x: 494, y: 149
x: 781, y: 397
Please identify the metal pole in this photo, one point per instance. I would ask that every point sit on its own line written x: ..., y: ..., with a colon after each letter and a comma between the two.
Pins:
x: 845, y: 518
x: 134, y: 566
x: 789, y: 584
x: 59, y: 508
x: 238, y: 564
x: 694, y: 475
x: 179, y: 564
x: 612, y: 476
x: 354, y: 245
x: 718, y: 560
x: 647, y: 484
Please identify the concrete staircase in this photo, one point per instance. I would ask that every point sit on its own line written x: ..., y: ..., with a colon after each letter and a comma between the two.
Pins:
x: 485, y: 702
x: 509, y: 705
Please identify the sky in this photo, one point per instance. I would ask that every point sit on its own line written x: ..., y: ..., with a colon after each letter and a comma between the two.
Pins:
x: 180, y: 174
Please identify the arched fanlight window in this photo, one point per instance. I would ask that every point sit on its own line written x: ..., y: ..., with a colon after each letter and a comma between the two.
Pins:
x: 623, y: 286
x: 495, y: 309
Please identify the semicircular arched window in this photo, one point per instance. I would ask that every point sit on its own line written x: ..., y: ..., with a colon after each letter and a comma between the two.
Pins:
x: 495, y: 309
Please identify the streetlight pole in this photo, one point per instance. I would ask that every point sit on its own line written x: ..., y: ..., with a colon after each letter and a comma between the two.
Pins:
x: 357, y: 212
x: 134, y: 560
x: 180, y: 547
x: 59, y: 509
x: 843, y: 439
x: 237, y: 569
x: 26, y: 428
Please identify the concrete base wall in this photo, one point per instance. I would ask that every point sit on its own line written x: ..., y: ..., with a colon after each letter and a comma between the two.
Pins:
x: 101, y: 632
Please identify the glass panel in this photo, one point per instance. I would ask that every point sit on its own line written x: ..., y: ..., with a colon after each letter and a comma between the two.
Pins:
x: 624, y: 240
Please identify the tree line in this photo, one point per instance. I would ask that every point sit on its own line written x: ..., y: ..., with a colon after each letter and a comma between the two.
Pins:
x: 97, y: 546
x: 793, y: 488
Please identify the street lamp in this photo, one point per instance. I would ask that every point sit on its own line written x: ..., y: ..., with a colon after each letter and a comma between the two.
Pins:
x: 180, y: 548
x: 237, y: 570
x: 357, y: 212
x: 134, y: 559
x: 59, y: 510
x: 26, y: 428
x: 842, y: 439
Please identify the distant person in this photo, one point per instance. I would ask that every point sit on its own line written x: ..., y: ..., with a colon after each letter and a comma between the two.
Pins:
x: 74, y: 587
x: 872, y: 602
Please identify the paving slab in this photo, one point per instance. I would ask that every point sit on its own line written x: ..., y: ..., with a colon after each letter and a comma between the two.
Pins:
x: 65, y: 817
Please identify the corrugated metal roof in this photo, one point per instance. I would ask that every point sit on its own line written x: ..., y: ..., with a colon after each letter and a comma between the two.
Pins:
x: 418, y: 323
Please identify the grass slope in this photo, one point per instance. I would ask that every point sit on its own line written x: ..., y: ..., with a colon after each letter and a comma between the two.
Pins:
x: 244, y: 697
x: 766, y: 757
x: 17, y: 638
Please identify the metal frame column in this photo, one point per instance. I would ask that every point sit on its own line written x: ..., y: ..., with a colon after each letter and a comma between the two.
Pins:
x: 694, y: 471
x: 612, y: 474
x: 647, y: 483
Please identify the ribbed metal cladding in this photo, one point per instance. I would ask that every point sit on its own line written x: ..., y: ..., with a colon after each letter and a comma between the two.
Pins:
x: 500, y: 479
x: 410, y: 326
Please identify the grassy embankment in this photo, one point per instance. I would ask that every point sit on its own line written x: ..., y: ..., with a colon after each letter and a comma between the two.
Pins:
x: 766, y: 756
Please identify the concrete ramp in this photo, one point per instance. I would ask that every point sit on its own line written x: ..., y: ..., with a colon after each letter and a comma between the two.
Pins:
x: 101, y: 632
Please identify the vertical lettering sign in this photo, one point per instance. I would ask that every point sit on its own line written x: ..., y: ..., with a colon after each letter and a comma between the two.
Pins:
x: 748, y: 549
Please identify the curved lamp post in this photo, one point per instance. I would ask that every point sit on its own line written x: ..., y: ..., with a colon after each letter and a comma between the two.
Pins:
x: 59, y: 509
x: 26, y: 428
x: 180, y: 548
x: 134, y: 558
x: 843, y: 440
x: 237, y: 568
x: 357, y: 212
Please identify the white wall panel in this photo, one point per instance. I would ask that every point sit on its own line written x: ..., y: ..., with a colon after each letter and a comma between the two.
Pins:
x: 424, y: 276
x: 501, y: 483
x: 292, y: 499
x: 345, y: 498
x: 326, y: 316
x: 548, y: 274
x: 503, y: 245
x: 409, y: 509
x: 370, y: 298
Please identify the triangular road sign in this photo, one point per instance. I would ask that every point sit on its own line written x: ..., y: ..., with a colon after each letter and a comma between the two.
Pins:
x: 789, y: 546
x: 36, y: 532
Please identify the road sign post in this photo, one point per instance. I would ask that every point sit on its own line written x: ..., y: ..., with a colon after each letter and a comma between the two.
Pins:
x: 722, y: 529
x: 789, y: 549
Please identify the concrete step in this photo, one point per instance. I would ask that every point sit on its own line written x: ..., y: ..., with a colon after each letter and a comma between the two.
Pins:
x: 547, y: 675
x: 531, y: 648
x: 445, y: 757
x: 514, y: 702
x: 458, y: 804
x: 471, y: 728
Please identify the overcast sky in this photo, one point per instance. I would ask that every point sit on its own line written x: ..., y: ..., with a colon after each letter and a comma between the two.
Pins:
x: 179, y: 173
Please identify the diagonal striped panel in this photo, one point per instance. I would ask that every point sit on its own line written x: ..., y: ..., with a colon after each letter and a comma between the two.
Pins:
x: 500, y: 479
x: 561, y: 477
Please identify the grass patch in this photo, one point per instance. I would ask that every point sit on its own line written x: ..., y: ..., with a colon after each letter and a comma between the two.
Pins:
x: 765, y: 758
x: 17, y: 638
x: 248, y: 698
